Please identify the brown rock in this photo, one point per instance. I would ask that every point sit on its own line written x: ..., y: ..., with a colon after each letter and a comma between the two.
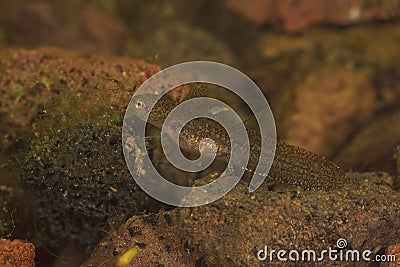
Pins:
x: 230, y: 231
x: 31, y: 80
x: 392, y: 256
x: 240, y: 224
x: 373, y: 146
x: 16, y: 253
x: 298, y: 15
x: 319, y: 113
x: 157, y: 236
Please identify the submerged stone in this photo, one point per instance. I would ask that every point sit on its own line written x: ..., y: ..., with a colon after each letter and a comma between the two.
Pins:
x: 79, y: 183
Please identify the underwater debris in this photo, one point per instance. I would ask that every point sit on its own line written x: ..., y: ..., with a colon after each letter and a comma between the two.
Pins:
x: 127, y: 257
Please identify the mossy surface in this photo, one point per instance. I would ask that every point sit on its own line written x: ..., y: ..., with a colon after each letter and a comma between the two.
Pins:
x: 79, y: 183
x: 61, y: 113
x: 51, y: 88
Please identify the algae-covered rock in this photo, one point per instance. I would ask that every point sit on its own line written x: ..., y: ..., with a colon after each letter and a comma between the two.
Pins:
x: 63, y: 112
x: 54, y: 87
x: 79, y: 183
x: 49, y: 92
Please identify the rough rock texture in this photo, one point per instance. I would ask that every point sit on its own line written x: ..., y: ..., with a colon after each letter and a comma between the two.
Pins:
x: 72, y: 105
x: 298, y: 15
x: 79, y: 183
x: 31, y: 80
x: 16, y: 253
x: 157, y: 235
x: 36, y: 89
x: 67, y: 102
x: 393, y: 250
x: 396, y: 157
x: 239, y: 224
x: 230, y: 231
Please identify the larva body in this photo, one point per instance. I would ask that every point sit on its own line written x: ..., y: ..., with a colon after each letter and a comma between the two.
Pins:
x: 291, y: 165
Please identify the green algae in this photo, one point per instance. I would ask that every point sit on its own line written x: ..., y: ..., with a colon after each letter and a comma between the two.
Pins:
x: 70, y: 109
x: 79, y: 183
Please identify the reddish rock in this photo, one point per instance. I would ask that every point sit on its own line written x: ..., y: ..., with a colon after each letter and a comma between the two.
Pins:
x: 31, y: 80
x: 298, y: 15
x: 392, y: 256
x: 257, y: 11
x: 16, y: 253
x: 320, y: 110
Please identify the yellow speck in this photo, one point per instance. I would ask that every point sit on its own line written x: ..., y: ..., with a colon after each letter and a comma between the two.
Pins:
x: 127, y: 257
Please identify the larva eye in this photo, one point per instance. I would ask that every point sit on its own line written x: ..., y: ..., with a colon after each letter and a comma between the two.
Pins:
x: 139, y: 104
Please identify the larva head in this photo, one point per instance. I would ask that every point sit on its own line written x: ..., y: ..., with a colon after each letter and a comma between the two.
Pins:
x: 143, y: 104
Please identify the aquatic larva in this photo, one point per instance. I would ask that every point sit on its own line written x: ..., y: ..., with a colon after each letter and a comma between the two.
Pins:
x: 292, y: 165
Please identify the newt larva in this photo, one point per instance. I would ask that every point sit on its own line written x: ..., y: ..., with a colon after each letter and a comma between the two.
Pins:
x: 291, y: 165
